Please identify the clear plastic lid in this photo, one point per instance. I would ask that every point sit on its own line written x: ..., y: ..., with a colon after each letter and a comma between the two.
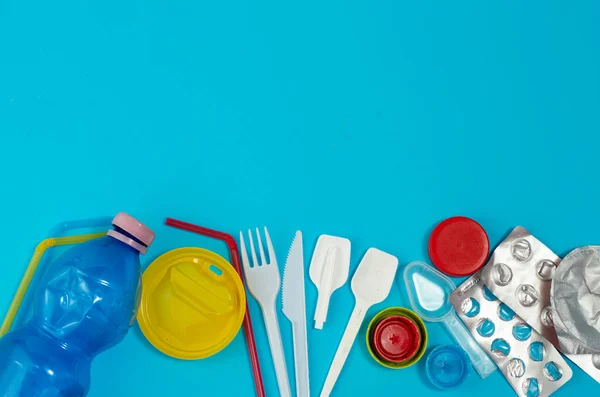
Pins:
x: 428, y: 291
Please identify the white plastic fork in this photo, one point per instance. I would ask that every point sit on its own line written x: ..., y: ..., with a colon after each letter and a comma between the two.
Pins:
x: 264, y: 282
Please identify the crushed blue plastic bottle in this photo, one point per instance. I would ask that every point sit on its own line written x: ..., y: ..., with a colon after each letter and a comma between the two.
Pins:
x: 85, y: 303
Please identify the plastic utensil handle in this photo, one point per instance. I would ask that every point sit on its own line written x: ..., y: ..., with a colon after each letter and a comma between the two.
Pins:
x: 322, y: 308
x: 482, y: 363
x: 301, y: 359
x: 325, y: 288
x: 356, y: 319
x: 276, y: 345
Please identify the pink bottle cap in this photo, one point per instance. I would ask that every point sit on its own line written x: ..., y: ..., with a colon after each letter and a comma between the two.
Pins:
x: 134, y: 227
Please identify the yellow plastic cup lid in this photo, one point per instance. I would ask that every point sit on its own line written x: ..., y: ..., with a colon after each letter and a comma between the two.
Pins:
x: 193, y: 303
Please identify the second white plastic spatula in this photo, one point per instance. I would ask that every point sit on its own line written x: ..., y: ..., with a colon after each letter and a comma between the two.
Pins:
x: 329, y: 269
x: 371, y: 284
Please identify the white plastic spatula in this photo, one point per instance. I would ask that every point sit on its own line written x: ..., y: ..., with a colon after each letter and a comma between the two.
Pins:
x: 371, y: 284
x: 329, y: 269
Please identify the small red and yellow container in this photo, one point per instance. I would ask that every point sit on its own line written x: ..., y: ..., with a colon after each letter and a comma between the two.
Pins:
x: 397, y: 338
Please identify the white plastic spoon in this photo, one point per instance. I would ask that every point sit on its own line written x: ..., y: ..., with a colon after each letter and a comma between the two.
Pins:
x: 371, y: 284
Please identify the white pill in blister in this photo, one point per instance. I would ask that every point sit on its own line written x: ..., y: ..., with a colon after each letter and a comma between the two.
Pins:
x: 527, y: 295
x: 547, y: 317
x: 501, y: 274
x: 521, y: 250
x: 545, y: 269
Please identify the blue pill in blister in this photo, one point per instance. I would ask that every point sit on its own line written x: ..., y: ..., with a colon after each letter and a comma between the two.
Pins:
x: 487, y: 294
x: 537, y: 351
x: 500, y: 347
x: 552, y: 371
x: 531, y: 387
x: 505, y: 313
x: 521, y: 332
x: 486, y: 328
x: 470, y: 307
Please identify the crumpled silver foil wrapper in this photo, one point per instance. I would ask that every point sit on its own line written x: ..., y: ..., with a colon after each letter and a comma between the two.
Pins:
x: 575, y: 296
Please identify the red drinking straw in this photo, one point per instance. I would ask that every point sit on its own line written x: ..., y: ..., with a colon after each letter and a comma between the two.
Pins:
x: 235, y: 261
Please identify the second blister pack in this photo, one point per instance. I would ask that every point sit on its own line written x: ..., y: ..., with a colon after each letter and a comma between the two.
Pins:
x: 520, y: 274
x: 532, y: 365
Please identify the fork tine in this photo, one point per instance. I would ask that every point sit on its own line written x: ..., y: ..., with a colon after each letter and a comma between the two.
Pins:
x: 254, y: 259
x: 260, y: 247
x: 245, y: 260
x: 272, y: 258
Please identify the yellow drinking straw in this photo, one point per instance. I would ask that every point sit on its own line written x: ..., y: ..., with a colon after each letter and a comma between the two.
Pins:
x: 30, y: 272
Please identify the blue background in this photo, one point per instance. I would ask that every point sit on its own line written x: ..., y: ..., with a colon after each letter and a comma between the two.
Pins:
x: 369, y: 120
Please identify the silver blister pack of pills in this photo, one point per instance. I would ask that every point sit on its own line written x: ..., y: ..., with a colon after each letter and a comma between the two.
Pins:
x: 531, y: 364
x: 520, y: 274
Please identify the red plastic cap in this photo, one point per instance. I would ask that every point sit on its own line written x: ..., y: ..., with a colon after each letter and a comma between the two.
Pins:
x: 459, y: 246
x: 396, y: 339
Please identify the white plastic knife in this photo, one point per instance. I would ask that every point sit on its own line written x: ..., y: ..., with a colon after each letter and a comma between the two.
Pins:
x: 294, y: 308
